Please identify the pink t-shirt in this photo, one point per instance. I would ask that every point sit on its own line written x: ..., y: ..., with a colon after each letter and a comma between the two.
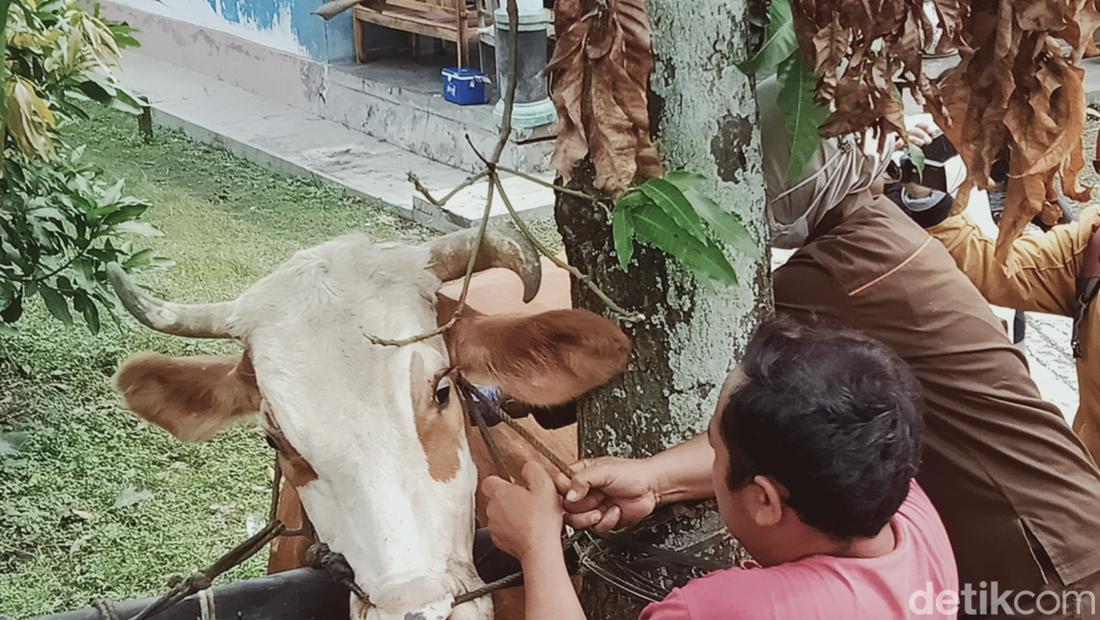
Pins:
x: 901, y: 585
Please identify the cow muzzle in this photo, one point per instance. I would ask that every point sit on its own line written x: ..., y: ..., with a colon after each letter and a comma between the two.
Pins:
x: 410, y: 598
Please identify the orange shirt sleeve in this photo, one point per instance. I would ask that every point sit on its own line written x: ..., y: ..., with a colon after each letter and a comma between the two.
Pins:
x: 1044, y: 279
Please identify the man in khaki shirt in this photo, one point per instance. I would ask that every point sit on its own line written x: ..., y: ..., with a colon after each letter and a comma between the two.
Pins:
x: 1051, y: 274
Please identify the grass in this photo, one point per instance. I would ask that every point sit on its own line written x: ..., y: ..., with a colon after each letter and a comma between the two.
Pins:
x: 63, y: 541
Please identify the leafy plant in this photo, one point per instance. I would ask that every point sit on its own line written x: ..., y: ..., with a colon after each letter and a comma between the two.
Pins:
x: 60, y: 223
x: 779, y: 54
x: 673, y: 215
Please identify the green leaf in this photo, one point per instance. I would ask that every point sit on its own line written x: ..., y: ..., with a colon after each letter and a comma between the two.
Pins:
x: 138, y: 260
x: 144, y: 229
x: 726, y: 225
x: 13, y: 311
x: 704, y: 259
x: 91, y: 316
x: 622, y: 229
x: 124, y: 213
x: 801, y: 115
x: 916, y: 155
x: 685, y: 180
x: 125, y: 102
x: 671, y: 200
x: 112, y: 195
x: 56, y: 304
x: 779, y: 43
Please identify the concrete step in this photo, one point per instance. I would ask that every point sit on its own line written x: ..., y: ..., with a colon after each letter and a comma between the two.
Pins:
x: 293, y: 141
x: 400, y: 101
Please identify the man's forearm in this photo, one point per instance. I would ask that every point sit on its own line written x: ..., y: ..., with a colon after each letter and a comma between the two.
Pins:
x: 683, y: 472
x: 548, y: 590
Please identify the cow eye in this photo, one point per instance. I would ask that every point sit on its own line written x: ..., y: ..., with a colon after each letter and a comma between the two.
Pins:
x: 443, y: 392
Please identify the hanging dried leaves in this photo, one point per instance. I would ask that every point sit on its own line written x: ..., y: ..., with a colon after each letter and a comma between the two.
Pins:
x: 858, y: 49
x: 1014, y: 88
x: 599, y: 79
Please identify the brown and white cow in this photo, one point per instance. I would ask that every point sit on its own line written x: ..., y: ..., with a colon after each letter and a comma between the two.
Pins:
x: 371, y: 436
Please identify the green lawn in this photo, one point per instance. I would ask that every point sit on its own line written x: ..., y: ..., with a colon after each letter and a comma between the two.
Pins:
x: 63, y: 541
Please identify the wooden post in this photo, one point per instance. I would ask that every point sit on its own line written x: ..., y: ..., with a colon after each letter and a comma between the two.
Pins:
x: 704, y: 114
x: 145, y: 121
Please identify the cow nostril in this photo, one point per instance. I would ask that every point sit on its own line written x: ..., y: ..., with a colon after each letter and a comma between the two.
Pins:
x: 415, y: 616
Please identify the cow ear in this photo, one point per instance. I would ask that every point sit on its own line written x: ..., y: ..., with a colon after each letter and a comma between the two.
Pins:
x: 543, y: 359
x: 191, y: 397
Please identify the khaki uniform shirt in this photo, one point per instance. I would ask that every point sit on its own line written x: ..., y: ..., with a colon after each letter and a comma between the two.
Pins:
x: 1007, y: 475
x: 1046, y: 281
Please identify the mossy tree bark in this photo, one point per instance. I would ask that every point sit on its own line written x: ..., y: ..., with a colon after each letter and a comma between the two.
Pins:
x: 704, y: 114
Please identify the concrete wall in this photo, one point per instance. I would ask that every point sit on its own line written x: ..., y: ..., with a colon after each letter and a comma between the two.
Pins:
x: 284, y: 25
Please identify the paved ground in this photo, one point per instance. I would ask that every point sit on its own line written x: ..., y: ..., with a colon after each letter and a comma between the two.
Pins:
x: 294, y: 141
x: 1052, y: 367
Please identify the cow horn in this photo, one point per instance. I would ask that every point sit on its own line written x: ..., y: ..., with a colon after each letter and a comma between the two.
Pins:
x: 501, y: 248
x: 190, y: 320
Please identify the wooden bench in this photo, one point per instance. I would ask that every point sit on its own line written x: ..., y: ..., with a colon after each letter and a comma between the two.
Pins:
x: 447, y: 20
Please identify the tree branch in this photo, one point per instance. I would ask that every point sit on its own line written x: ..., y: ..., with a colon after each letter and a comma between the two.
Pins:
x: 492, y: 166
x: 582, y: 277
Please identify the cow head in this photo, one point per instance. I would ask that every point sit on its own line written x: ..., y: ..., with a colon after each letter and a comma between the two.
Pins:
x: 372, y: 436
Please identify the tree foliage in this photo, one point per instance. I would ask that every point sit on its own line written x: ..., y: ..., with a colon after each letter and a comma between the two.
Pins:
x: 60, y: 222
x: 674, y: 215
x: 1015, y: 91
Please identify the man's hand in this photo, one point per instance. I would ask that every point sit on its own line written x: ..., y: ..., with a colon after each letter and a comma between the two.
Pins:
x: 919, y: 135
x: 607, y: 493
x: 523, y: 517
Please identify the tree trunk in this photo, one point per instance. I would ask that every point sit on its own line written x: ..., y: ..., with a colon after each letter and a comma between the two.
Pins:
x: 704, y: 114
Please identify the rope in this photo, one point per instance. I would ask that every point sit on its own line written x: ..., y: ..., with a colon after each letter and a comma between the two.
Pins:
x: 465, y: 390
x: 474, y: 412
x: 336, y: 566
x: 206, y: 605
x: 104, y: 607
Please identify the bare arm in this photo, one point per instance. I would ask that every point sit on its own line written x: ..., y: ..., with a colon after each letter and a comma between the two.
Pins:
x: 609, y: 492
x: 683, y: 472
x: 548, y: 590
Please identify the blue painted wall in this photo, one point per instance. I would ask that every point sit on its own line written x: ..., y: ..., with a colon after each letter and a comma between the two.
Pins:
x: 288, y: 25
x: 324, y: 41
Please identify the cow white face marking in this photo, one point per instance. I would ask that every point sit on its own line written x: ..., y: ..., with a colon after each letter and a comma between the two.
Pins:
x: 395, y: 482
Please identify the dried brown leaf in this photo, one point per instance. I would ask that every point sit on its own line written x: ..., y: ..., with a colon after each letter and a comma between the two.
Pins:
x: 600, y: 85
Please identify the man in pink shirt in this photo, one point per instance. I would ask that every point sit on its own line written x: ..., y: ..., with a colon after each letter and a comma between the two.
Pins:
x: 811, y: 456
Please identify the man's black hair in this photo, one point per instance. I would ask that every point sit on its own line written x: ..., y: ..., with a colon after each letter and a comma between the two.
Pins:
x: 832, y: 415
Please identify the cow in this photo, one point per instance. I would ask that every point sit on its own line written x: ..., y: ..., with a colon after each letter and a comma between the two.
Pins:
x: 371, y: 437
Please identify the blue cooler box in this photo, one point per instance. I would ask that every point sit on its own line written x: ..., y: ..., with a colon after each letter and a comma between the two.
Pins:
x: 465, y: 86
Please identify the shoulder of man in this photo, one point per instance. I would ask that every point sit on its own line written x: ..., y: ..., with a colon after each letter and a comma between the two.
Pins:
x: 742, y: 594
x: 807, y: 290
